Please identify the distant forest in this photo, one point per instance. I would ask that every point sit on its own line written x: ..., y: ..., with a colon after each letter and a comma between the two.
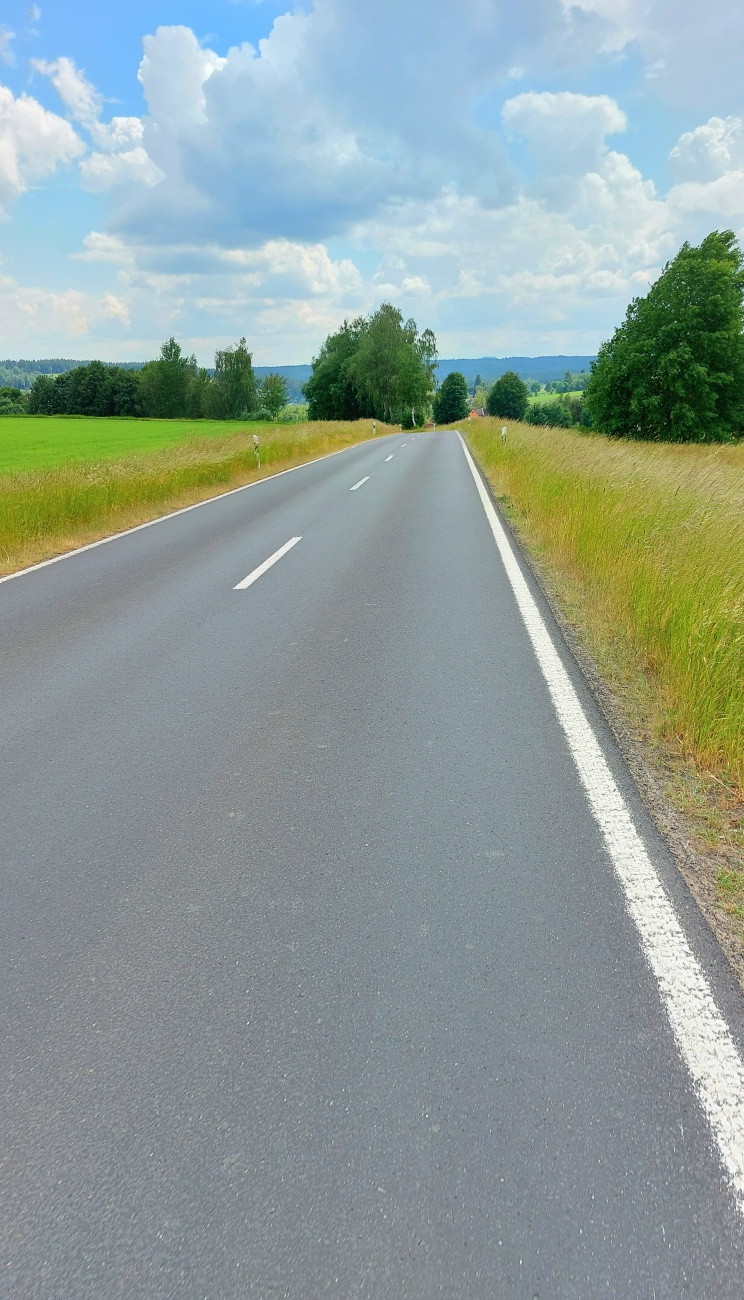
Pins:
x: 545, y: 370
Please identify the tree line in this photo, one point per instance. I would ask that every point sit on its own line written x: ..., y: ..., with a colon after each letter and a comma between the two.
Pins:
x: 172, y: 387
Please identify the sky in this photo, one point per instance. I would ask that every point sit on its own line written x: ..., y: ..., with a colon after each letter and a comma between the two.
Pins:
x: 509, y: 174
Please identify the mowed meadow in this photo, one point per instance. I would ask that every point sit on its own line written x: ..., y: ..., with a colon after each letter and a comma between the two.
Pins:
x: 644, y: 545
x: 67, y: 480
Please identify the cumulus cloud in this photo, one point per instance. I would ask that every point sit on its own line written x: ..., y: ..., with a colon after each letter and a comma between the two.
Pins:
x: 710, y: 151
x: 33, y: 144
x: 710, y: 163
x: 325, y: 120
x: 81, y: 99
x: 104, y: 171
x: 29, y: 312
x: 119, y: 157
x: 566, y: 133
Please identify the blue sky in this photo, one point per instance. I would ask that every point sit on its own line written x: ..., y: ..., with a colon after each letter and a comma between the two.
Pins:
x: 510, y: 175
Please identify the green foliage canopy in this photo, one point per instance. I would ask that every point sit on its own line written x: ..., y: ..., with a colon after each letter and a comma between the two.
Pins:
x: 273, y: 394
x: 374, y: 366
x: 451, y: 402
x: 165, y: 382
x: 233, y: 393
x: 508, y: 398
x: 674, y: 370
x: 331, y: 391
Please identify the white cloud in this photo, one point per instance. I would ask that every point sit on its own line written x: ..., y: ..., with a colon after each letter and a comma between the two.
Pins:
x: 298, y: 137
x: 6, y: 39
x: 30, y: 313
x: 710, y: 151
x: 81, y: 99
x: 33, y: 144
x: 621, y: 21
x: 104, y: 171
x: 119, y: 158
x: 100, y: 247
x: 566, y: 133
x: 710, y: 162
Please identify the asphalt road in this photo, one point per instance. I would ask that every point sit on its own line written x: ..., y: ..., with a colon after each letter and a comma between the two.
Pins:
x: 318, y: 978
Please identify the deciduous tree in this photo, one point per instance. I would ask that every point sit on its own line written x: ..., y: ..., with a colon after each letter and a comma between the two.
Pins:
x: 273, y: 394
x: 508, y: 397
x: 451, y: 402
x: 674, y: 370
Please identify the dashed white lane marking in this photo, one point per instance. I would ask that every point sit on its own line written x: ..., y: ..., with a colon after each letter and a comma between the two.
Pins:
x: 390, y: 457
x: 359, y: 484
x: 703, y: 1037
x: 256, y: 573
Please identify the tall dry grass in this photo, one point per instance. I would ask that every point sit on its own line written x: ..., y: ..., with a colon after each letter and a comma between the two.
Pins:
x: 648, y: 543
x: 48, y: 511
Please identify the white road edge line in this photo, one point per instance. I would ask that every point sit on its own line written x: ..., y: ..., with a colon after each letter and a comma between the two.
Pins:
x: 387, y: 458
x: 359, y: 484
x: 256, y: 573
x: 162, y: 519
x: 703, y: 1037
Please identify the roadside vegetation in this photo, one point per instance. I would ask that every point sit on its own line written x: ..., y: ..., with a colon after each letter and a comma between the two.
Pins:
x: 45, y: 511
x: 643, y: 545
x: 674, y: 370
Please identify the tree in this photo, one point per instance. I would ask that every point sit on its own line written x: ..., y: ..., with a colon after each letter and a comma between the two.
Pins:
x: 393, y: 367
x: 451, y: 402
x: 331, y: 391
x: 12, y: 401
x: 125, y: 391
x: 233, y: 393
x: 508, y: 397
x: 273, y: 395
x: 41, y: 396
x: 374, y: 366
x: 674, y: 370
x: 165, y: 382
x: 198, y: 402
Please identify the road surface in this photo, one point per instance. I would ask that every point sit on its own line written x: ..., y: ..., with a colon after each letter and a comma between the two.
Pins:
x: 319, y: 977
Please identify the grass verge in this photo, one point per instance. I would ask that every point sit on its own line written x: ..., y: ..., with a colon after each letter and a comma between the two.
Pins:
x: 642, y: 545
x: 46, y: 512
x: 39, y: 442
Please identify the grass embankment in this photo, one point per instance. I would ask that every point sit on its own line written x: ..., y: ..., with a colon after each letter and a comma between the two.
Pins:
x: 91, y: 489
x: 644, y: 546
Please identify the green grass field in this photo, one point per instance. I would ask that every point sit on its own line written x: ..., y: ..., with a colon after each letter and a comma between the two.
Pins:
x: 554, y: 397
x: 30, y: 442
